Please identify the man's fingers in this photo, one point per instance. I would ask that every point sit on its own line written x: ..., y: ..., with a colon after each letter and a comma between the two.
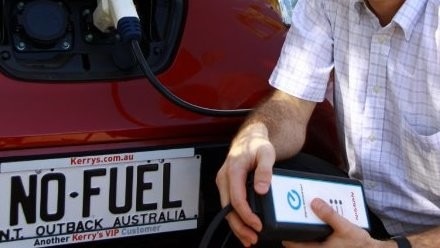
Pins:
x: 326, y: 213
x: 291, y: 244
x: 238, y: 197
x: 223, y: 188
x: 244, y: 233
x: 249, y: 151
x: 232, y: 190
x: 263, y: 171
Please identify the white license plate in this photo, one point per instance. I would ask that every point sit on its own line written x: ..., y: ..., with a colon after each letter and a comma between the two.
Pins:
x: 69, y: 200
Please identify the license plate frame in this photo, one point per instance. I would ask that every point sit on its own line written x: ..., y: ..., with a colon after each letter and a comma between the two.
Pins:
x: 58, y: 201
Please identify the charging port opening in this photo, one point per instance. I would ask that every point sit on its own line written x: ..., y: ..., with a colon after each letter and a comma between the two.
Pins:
x: 35, y: 47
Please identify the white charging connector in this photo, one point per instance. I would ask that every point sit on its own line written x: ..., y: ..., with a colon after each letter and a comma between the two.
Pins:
x: 120, y: 15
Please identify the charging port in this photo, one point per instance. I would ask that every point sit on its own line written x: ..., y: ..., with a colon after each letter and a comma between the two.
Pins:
x: 57, y: 40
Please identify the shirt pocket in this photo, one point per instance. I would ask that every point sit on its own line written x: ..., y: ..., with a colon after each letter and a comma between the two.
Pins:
x: 422, y: 154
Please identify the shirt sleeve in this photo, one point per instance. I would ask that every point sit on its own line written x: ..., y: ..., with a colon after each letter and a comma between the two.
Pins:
x: 306, y: 59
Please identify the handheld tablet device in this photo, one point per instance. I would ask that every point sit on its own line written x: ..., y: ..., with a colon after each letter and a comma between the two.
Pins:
x: 285, y: 210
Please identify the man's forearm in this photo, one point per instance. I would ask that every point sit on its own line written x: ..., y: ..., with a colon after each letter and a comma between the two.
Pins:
x: 427, y: 239
x: 285, y: 118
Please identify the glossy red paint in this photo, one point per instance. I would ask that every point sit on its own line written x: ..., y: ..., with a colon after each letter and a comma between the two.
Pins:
x: 226, y: 53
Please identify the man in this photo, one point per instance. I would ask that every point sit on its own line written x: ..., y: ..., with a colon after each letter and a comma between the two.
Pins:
x: 386, y: 60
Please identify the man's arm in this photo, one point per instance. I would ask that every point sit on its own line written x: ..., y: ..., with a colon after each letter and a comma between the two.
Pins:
x: 275, y: 130
x: 285, y: 117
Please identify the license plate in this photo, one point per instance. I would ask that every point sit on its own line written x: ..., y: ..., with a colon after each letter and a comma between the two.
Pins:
x: 59, y: 201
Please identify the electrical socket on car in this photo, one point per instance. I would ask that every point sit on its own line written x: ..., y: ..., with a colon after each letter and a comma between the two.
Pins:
x: 285, y: 210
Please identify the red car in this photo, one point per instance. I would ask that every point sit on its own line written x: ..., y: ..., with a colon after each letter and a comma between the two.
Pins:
x: 92, y: 152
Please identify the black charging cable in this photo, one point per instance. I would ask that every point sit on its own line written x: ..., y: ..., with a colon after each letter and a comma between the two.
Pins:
x: 175, y: 99
x: 130, y: 31
x: 215, y: 223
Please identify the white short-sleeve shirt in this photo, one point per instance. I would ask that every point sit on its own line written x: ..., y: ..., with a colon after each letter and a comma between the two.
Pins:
x: 386, y: 96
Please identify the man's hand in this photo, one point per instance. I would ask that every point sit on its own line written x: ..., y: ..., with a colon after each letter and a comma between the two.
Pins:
x: 345, y: 233
x: 275, y: 130
x: 250, y: 150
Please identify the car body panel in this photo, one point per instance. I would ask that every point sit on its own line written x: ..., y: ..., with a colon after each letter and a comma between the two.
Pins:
x: 213, y: 72
x: 224, y: 58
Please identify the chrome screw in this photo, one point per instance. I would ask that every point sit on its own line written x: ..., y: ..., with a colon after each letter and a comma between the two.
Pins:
x: 5, y: 55
x: 20, y: 5
x: 86, y: 12
x: 21, y: 46
x: 66, y: 45
x: 89, y: 37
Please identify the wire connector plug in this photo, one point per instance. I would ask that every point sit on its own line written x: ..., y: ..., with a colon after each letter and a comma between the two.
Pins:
x: 120, y: 15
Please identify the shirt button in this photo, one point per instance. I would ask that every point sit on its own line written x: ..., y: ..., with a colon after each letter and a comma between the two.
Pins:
x: 376, y: 89
x: 381, y: 39
x: 371, y: 138
x: 370, y: 184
